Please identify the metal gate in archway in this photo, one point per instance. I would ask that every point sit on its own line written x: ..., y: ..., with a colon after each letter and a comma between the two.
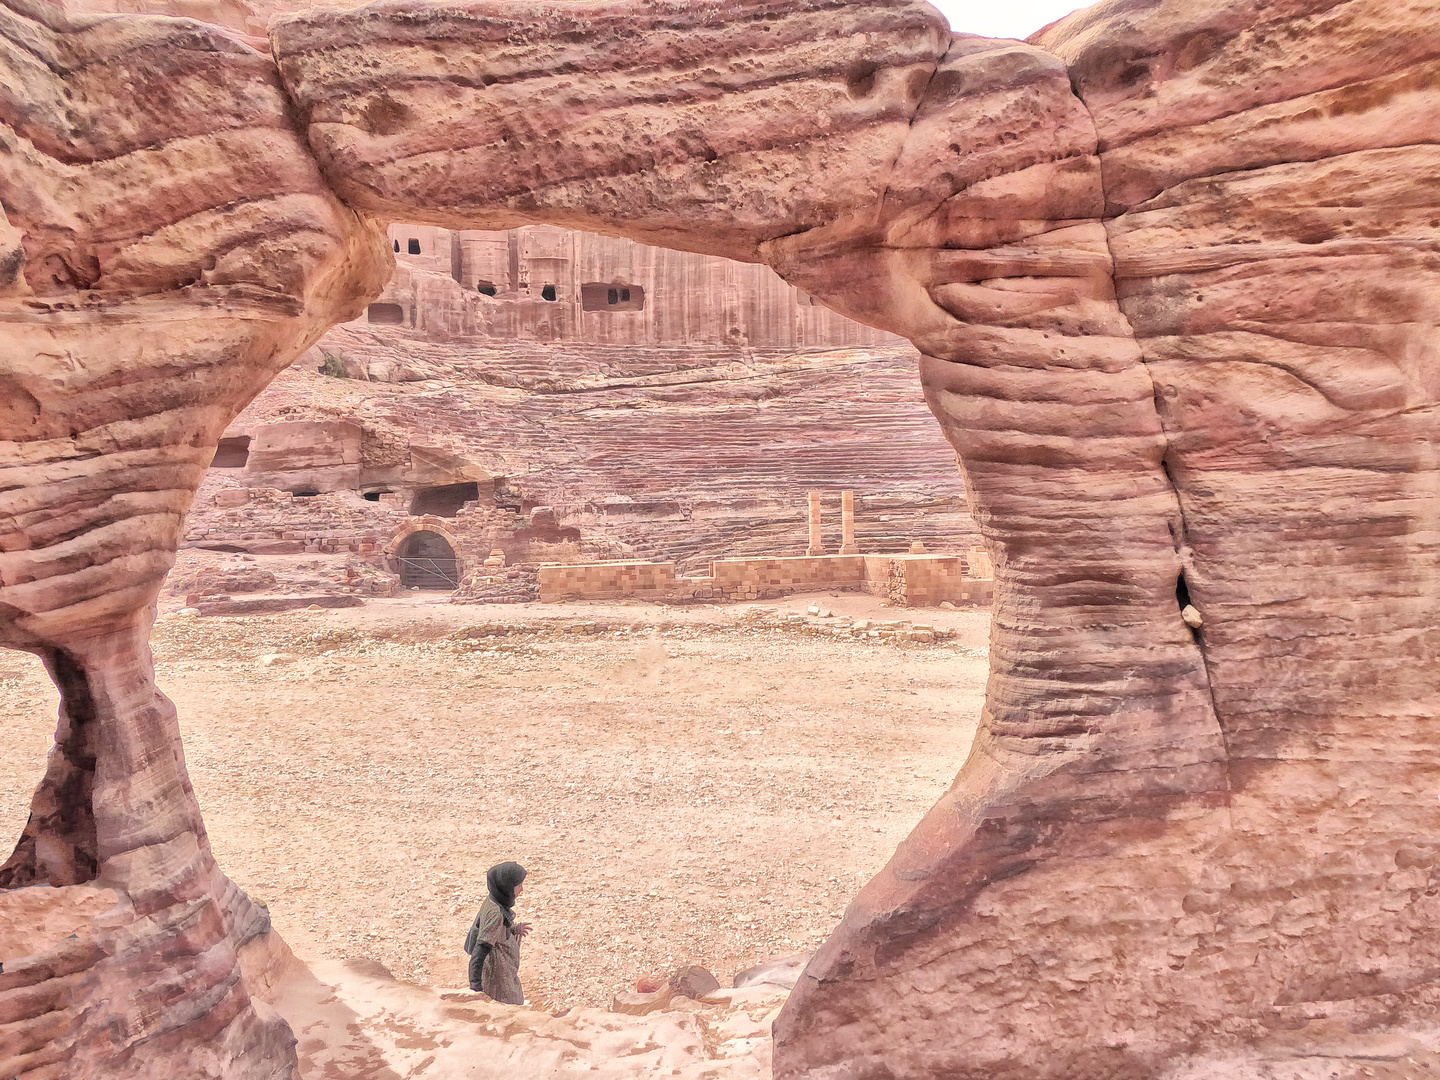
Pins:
x: 427, y: 561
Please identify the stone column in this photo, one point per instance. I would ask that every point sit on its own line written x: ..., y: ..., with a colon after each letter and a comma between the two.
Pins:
x: 847, y: 524
x: 816, y: 546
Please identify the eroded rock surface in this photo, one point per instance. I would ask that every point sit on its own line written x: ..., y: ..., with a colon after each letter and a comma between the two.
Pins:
x: 356, y: 1020
x: 1231, y: 847
x: 176, y: 247
x: 1171, y: 267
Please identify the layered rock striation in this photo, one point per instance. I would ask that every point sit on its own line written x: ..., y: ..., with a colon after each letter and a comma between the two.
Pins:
x: 646, y: 452
x: 1170, y: 267
x: 169, y: 245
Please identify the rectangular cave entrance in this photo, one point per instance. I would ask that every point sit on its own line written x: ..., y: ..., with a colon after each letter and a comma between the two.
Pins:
x: 611, y: 296
x: 385, y: 314
x: 444, y: 500
x: 231, y: 453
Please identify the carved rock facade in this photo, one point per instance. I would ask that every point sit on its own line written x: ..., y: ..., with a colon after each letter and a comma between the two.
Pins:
x: 543, y: 284
x: 1171, y: 267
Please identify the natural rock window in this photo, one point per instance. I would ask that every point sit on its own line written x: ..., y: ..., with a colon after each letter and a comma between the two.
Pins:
x: 444, y: 500
x: 611, y: 296
x: 392, y: 314
x: 414, y: 247
x: 548, y: 292
x: 485, y: 288
x: 231, y: 453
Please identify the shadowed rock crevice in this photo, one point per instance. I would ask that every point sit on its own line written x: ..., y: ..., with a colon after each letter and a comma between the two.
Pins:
x: 58, y: 845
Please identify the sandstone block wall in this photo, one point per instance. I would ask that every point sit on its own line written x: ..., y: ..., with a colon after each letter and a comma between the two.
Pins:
x: 270, y: 521
x: 607, y: 581
x: 908, y: 580
x: 749, y: 579
x: 929, y: 580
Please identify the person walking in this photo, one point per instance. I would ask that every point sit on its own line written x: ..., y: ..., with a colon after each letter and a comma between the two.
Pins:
x: 494, y: 939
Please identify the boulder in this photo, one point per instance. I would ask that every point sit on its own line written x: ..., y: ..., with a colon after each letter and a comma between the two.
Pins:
x: 783, y: 971
x: 692, y: 981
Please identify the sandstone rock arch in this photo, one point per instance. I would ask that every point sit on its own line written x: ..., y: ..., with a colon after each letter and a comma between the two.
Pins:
x: 1172, y: 268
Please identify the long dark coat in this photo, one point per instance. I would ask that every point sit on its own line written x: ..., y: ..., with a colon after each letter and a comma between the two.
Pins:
x: 494, y: 949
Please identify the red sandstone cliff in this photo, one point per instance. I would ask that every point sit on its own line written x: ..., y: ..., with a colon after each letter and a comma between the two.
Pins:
x: 541, y: 284
x: 651, y: 453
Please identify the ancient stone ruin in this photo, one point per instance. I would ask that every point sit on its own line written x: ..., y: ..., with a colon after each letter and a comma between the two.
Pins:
x: 1172, y: 267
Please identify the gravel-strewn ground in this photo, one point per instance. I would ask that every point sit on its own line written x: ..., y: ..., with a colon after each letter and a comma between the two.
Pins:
x: 684, y: 786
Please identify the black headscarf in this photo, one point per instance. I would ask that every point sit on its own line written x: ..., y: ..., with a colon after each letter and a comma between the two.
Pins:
x: 501, y: 881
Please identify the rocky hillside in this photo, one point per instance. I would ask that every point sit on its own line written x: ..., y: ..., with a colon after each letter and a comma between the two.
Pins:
x: 671, y: 453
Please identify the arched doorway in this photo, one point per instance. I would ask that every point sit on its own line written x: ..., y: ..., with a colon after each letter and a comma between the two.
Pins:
x: 427, y: 561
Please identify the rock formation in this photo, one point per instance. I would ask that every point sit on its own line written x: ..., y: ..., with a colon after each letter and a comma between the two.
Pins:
x: 1172, y: 270
x: 170, y: 246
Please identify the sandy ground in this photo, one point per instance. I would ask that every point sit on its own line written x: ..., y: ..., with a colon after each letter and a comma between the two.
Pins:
x: 685, y: 786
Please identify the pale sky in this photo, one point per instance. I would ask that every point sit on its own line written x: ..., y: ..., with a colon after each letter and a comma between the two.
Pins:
x: 1004, y: 18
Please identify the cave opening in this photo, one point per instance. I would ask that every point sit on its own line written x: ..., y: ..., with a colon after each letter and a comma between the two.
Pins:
x: 611, y: 296
x: 486, y: 288
x: 385, y: 314
x: 443, y: 500
x: 414, y: 246
x: 1189, y: 614
x: 548, y: 293
x: 231, y: 453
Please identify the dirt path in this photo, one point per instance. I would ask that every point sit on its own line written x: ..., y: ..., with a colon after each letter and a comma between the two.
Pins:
x: 684, y: 788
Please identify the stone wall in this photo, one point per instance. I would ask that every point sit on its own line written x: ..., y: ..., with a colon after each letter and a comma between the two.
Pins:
x: 929, y: 580
x: 907, y: 580
x: 267, y: 521
x: 751, y: 579
x: 607, y: 581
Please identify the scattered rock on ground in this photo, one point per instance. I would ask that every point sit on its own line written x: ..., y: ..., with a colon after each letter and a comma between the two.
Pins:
x: 693, y: 981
